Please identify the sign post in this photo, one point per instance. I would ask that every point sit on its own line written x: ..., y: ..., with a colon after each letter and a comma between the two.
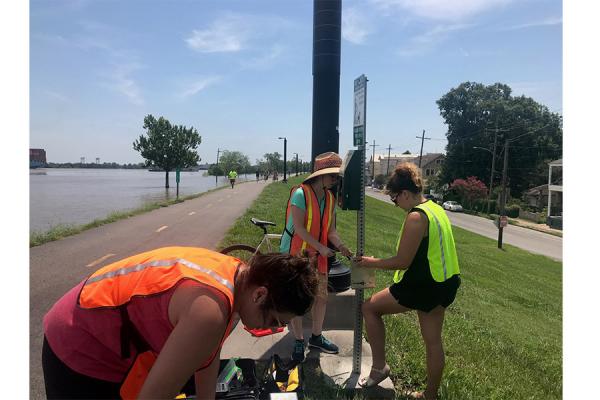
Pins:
x: 360, y: 114
x: 177, y: 176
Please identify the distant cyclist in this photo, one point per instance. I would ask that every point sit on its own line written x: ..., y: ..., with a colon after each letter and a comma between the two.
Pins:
x: 232, y: 176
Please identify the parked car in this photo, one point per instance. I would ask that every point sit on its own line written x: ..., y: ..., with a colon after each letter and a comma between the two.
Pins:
x: 452, y: 206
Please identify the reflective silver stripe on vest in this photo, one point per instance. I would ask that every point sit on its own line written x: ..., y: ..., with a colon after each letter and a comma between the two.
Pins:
x: 437, y: 222
x: 161, y: 263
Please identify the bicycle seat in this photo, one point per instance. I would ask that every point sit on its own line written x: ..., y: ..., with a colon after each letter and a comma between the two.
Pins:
x: 260, y: 223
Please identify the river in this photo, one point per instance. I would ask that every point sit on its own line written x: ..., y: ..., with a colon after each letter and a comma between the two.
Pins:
x: 74, y: 196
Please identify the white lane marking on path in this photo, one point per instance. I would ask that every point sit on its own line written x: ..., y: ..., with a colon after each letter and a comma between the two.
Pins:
x: 162, y: 228
x: 192, y: 213
x: 98, y: 261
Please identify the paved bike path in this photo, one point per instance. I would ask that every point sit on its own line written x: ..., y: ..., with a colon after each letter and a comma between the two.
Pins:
x: 56, y: 267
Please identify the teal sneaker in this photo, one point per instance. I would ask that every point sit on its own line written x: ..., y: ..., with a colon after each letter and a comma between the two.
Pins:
x: 298, y: 352
x: 320, y: 342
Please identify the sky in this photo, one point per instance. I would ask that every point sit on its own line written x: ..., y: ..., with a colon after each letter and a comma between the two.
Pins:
x: 240, y: 71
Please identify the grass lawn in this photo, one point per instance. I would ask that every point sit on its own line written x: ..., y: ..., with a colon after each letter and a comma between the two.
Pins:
x: 502, y: 335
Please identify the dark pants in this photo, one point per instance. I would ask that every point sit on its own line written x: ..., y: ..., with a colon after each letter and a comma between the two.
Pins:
x: 64, y: 383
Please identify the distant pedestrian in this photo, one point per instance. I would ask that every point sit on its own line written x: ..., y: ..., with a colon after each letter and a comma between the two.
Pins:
x: 257, y: 174
x: 142, y: 326
x: 426, y: 280
x: 232, y: 176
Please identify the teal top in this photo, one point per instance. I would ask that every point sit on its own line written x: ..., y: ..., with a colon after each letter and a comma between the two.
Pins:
x: 298, y: 200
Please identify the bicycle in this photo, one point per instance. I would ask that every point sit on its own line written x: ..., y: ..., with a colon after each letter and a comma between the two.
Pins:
x: 244, y: 252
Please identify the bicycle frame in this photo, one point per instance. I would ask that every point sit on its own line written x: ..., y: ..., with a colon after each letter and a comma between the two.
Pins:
x: 265, y: 245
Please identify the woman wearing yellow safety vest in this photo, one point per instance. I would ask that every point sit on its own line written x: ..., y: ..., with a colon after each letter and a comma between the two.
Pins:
x: 310, y: 226
x: 426, y: 279
x: 140, y: 327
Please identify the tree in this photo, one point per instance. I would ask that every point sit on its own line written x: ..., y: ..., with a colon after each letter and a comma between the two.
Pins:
x: 469, y: 190
x: 274, y: 162
x: 168, y: 146
x: 234, y: 160
x: 477, y: 114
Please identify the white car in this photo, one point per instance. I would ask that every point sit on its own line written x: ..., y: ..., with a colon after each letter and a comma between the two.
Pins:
x: 452, y: 206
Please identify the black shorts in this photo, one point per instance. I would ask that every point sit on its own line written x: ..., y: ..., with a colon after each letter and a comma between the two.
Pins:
x: 63, y: 383
x: 427, y: 297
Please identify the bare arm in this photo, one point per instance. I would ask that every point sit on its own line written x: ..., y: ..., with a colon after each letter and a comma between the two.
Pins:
x: 206, y: 379
x: 414, y: 230
x: 298, y: 220
x: 334, y: 238
x: 201, y: 323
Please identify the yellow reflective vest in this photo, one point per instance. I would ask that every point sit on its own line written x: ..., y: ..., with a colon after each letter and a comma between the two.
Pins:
x: 441, y: 252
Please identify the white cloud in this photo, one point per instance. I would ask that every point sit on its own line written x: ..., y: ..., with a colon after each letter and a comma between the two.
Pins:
x: 354, y: 26
x: 546, y: 22
x: 122, y: 82
x: 57, y: 96
x: 199, y: 85
x: 227, y: 34
x: 425, y: 42
x: 266, y: 59
x: 448, y: 10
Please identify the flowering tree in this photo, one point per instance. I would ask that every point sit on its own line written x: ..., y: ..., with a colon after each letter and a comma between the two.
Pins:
x: 469, y: 190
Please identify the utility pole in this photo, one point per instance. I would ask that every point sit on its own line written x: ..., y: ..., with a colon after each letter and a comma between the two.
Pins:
x: 493, y: 165
x: 387, y: 173
x: 422, y: 137
x: 296, y: 163
x: 217, y: 167
x: 373, y: 163
x: 503, y: 199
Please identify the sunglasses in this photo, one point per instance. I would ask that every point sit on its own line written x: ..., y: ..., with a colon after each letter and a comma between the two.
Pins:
x: 394, y: 197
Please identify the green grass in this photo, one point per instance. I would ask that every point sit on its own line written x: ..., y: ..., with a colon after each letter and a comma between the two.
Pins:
x: 60, y: 231
x: 502, y: 335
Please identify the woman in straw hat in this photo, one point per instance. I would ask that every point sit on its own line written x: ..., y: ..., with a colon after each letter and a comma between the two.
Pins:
x: 310, y: 225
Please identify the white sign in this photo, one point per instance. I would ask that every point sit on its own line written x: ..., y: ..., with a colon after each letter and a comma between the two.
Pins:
x: 360, y: 109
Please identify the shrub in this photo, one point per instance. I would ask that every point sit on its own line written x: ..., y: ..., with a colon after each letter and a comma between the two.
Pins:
x: 512, y: 211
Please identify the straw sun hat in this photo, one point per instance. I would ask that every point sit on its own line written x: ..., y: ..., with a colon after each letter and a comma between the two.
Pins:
x: 326, y: 163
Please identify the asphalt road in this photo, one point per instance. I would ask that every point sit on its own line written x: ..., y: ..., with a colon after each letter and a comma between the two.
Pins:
x: 523, y: 238
x: 56, y: 267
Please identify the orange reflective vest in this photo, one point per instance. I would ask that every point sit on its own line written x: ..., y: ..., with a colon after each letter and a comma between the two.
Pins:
x: 150, y: 273
x: 315, y: 223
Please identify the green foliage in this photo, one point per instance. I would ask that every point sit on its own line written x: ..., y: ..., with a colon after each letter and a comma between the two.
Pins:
x: 215, y: 169
x: 502, y: 335
x: 380, y: 180
x: 512, y: 211
x: 472, y: 112
x: 233, y: 160
x: 273, y: 162
x: 168, y: 146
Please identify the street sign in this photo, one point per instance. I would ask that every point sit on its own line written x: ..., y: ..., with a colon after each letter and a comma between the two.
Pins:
x: 177, y: 173
x: 360, y: 109
x: 503, y: 221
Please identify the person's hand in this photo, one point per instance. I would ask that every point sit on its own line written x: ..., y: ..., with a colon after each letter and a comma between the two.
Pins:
x: 326, y: 251
x: 345, y: 251
x: 364, y: 261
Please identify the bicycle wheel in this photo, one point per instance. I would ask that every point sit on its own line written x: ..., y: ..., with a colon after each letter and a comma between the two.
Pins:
x: 240, y: 251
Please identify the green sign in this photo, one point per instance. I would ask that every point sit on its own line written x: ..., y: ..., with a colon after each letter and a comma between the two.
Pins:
x: 177, y: 173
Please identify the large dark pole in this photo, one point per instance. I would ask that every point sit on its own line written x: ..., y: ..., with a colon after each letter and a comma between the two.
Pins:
x: 327, y: 34
x: 387, y: 173
x: 296, y: 163
x: 503, y: 200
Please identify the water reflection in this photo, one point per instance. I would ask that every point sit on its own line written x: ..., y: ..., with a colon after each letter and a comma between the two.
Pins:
x: 78, y: 196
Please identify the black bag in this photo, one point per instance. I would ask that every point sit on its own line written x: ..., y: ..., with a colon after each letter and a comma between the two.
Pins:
x: 281, y: 377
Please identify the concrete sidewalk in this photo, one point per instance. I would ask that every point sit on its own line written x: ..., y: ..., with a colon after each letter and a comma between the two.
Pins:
x: 338, y: 327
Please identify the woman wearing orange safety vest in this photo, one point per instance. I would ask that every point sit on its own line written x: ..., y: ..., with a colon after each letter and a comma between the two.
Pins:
x: 310, y: 225
x: 142, y: 326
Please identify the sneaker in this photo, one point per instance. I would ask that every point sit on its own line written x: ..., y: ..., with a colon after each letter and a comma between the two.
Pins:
x: 320, y: 342
x: 298, y: 352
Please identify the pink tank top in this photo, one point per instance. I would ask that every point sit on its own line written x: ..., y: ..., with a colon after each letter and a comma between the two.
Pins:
x: 88, y: 341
